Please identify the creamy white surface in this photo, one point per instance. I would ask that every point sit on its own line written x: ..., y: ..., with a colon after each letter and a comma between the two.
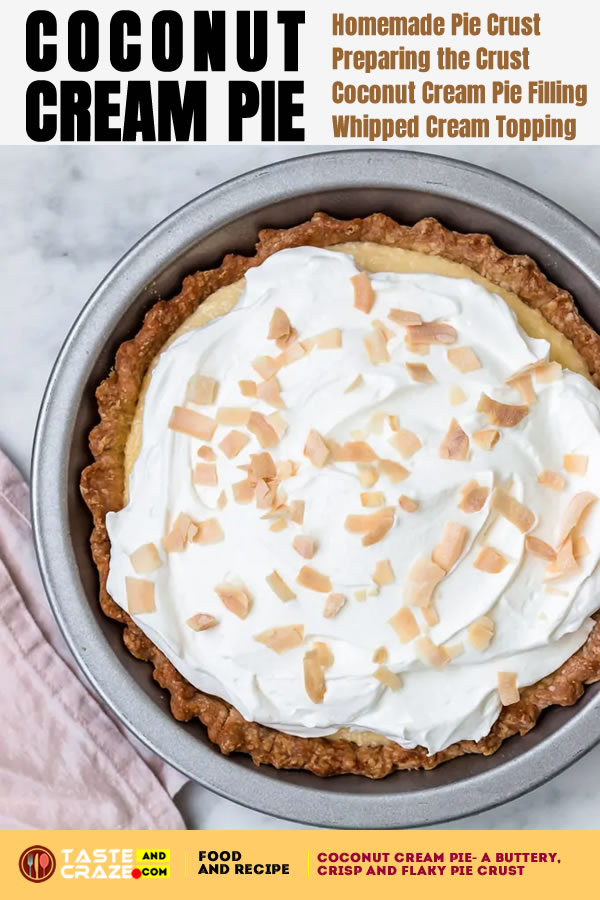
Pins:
x: 535, y: 631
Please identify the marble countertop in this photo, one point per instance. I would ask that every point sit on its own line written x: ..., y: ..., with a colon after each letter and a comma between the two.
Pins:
x: 66, y: 216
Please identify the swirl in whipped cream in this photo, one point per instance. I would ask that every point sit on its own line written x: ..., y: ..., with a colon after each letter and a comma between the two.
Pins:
x: 536, y: 629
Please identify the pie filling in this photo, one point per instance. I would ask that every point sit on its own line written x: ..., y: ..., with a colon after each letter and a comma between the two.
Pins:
x: 362, y: 501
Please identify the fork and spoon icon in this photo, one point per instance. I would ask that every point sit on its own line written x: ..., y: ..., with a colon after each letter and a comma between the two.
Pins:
x: 41, y: 860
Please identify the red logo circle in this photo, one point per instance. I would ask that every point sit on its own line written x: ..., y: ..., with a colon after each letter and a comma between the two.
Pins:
x: 136, y: 873
x: 37, y: 863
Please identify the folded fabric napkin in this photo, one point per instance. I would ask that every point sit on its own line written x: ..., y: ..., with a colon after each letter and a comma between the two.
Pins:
x: 64, y: 763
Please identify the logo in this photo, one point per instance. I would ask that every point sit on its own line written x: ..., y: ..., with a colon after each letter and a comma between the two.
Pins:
x: 37, y: 863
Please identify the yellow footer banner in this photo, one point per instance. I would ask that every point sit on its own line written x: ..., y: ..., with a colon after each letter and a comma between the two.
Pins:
x: 289, y: 864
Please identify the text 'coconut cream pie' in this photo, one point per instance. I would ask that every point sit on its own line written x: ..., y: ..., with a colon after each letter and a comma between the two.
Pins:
x: 346, y: 497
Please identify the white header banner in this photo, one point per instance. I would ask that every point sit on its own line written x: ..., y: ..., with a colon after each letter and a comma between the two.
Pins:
x: 320, y: 73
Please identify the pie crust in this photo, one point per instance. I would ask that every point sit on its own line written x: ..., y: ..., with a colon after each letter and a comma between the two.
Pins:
x: 103, y: 490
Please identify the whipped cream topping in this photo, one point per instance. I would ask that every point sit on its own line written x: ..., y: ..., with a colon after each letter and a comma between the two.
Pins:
x: 536, y: 628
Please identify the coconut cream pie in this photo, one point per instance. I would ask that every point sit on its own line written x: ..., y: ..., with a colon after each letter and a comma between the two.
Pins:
x: 345, y: 497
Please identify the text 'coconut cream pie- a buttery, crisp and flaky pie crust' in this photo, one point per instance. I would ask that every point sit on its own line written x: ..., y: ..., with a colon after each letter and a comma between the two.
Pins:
x: 345, y: 497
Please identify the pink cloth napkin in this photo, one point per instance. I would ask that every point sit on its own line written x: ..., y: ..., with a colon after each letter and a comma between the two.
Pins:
x: 64, y: 763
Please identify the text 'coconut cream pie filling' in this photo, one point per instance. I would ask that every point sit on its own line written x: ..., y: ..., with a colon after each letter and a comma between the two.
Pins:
x: 362, y: 500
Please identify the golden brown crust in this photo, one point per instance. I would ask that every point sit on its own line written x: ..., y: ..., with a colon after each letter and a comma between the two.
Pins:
x: 102, y: 487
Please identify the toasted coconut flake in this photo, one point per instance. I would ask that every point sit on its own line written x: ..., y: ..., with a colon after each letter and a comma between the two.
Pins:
x: 380, y: 655
x: 420, y: 349
x: 266, y: 366
x: 262, y: 467
x: 405, y: 442
x: 286, y: 468
x: 329, y: 340
x: 376, y: 345
x: 372, y: 498
x: 315, y: 581
x: 481, y: 632
x: 292, y: 353
x: 222, y: 500
x: 194, y: 424
x: 278, y: 525
x: 233, y: 443
x: 279, y: 587
x: 247, y: 388
x: 551, y: 480
x: 270, y: 392
x: 263, y: 430
x: 451, y: 546
x: 282, y: 343
x: 276, y: 421
x: 510, y: 508
x: 455, y: 444
x: 316, y: 450
x: 201, y: 622
x: 423, y: 577
x: 456, y: 395
x: 489, y: 561
x: 408, y: 504
x: 473, y: 496
x: 575, y: 463
x: 201, y: 390
x: 419, y: 373
x: 507, y: 688
x: 207, y: 453
x: 523, y: 384
x: 384, y: 574
x: 571, y: 516
x: 581, y: 547
x: 431, y: 654
x: 540, y: 548
x: 243, y: 491
x: 405, y: 625
x: 280, y: 325
x: 454, y: 650
x: 392, y: 470
x: 208, y: 532
x: 305, y: 546
x: 404, y: 317
x: 464, y: 359
x: 430, y: 614
x: 377, y: 422
x: 360, y: 596
x: 486, y: 438
x: 548, y: 372
x: 333, y: 605
x: 354, y: 384
x: 556, y: 592
x: 145, y: 559
x: 140, y: 596
x: 205, y: 474
x: 314, y: 680
x: 367, y: 475
x: 382, y: 327
x: 234, y: 598
x: 324, y: 654
x: 355, y: 451
x: 281, y: 638
x: 388, y: 678
x: 359, y: 524
x: 364, y: 296
x: 176, y: 539
x: 265, y: 494
x: 232, y: 415
x: 430, y: 333
x: 503, y: 414
x: 565, y: 562
x: 297, y: 511
x: 381, y: 527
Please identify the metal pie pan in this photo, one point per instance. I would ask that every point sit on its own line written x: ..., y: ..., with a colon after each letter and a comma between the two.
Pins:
x: 407, y: 186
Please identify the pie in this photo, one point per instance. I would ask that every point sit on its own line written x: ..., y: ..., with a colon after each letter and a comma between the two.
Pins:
x: 344, y: 497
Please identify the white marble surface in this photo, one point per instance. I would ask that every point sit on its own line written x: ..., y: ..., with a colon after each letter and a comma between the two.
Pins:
x: 67, y: 214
